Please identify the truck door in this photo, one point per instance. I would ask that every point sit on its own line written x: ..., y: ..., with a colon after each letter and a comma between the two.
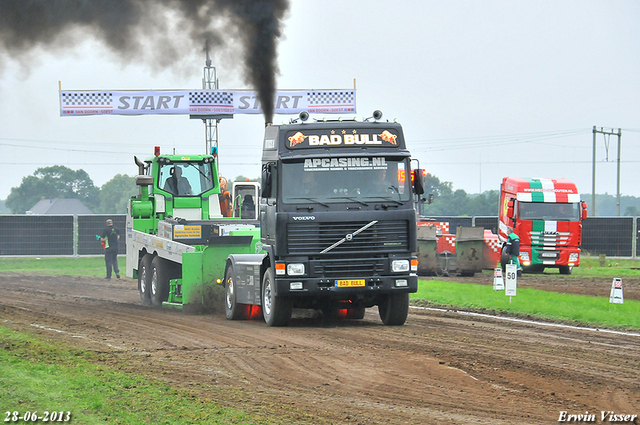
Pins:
x: 245, y: 200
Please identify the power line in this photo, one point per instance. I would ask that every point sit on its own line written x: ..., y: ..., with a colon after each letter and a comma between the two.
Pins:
x: 491, y: 141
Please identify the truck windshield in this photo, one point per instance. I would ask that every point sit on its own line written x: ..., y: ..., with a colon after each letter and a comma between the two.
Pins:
x: 186, y: 178
x: 350, y: 179
x: 549, y: 211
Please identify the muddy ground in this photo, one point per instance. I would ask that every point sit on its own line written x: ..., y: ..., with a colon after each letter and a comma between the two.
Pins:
x: 440, y: 367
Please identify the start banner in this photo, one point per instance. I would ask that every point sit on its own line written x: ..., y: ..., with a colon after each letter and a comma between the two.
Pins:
x: 202, y: 102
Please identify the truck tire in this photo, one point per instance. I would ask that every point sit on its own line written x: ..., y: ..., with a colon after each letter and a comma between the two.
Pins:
x: 394, y: 309
x: 159, y: 281
x: 144, y: 275
x: 504, y: 258
x: 565, y: 269
x: 275, y: 309
x: 233, y: 310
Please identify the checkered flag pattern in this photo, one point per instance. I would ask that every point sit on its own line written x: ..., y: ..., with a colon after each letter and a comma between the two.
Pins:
x: 444, y: 226
x: 87, y: 99
x: 331, y: 98
x: 451, y: 240
x: 493, y: 244
x: 218, y: 98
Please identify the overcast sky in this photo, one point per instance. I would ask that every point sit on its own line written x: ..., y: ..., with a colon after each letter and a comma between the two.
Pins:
x: 484, y: 89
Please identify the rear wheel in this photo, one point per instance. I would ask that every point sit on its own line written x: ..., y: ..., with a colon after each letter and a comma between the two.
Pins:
x: 144, y: 275
x: 275, y: 309
x: 233, y: 310
x: 159, y: 281
x: 394, y: 309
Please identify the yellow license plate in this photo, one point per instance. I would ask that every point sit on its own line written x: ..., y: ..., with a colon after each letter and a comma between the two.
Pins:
x: 349, y: 283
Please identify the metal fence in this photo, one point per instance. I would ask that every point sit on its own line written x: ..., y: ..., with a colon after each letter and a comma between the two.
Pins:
x: 612, y: 236
x: 73, y: 235
x: 62, y: 235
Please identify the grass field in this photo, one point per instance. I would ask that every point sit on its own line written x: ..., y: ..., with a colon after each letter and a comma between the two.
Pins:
x: 577, y: 309
x: 37, y: 376
x: 82, y: 266
x: 612, y: 267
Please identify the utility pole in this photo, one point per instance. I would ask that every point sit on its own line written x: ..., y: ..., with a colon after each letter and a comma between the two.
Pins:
x: 593, y: 182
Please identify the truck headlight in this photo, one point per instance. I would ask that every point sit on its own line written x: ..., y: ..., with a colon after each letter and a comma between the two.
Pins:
x: 398, y: 266
x: 524, y: 256
x: 295, y: 269
x: 573, y: 257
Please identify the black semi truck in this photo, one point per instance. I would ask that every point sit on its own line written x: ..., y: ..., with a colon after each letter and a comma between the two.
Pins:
x: 337, y: 224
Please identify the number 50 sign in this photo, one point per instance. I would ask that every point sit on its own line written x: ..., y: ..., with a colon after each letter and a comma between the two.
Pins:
x: 511, y: 280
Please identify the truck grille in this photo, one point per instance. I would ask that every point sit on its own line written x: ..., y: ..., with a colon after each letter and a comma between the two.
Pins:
x: 309, y: 238
x: 549, y: 239
x: 348, y: 268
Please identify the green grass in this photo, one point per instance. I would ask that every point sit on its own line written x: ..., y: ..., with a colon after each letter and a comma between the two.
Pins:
x: 82, y: 266
x: 38, y: 376
x: 578, y: 309
x: 613, y: 267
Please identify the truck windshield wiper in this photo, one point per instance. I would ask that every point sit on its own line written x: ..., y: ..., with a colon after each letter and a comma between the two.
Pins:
x: 309, y: 199
x: 351, y: 198
x: 386, y: 198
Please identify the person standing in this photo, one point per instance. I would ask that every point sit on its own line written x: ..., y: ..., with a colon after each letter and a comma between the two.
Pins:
x: 110, y: 236
x: 513, y: 249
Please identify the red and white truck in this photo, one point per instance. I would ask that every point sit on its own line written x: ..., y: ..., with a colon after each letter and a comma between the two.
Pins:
x: 547, y: 216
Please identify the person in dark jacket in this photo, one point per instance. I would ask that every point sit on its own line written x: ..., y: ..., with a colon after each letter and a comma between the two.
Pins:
x: 110, y: 236
x: 513, y: 249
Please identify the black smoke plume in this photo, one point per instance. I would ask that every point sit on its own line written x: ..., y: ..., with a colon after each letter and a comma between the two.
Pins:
x: 161, y: 32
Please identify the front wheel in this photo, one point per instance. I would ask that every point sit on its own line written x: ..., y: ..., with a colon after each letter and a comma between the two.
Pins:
x: 233, y: 310
x: 275, y: 309
x: 566, y: 269
x: 394, y: 309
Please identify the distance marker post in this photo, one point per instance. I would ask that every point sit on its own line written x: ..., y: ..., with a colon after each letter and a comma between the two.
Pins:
x: 511, y: 282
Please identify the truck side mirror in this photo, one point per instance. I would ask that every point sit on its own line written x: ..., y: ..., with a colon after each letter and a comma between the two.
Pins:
x: 418, y: 181
x: 266, y: 182
x: 584, y: 209
x: 510, y: 205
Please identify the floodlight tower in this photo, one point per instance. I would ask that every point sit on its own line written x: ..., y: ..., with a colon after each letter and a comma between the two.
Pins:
x: 210, y: 82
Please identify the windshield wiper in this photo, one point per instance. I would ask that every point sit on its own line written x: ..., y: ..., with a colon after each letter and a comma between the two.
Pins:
x: 351, y: 198
x: 386, y: 198
x: 200, y: 171
x: 309, y: 199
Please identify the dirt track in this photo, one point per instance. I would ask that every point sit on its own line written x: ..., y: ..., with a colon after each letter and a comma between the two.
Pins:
x: 440, y: 367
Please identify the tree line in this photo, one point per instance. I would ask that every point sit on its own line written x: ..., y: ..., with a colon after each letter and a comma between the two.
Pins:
x: 60, y: 182
x: 111, y: 198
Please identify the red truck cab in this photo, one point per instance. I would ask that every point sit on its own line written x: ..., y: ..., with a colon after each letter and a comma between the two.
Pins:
x: 547, y: 215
